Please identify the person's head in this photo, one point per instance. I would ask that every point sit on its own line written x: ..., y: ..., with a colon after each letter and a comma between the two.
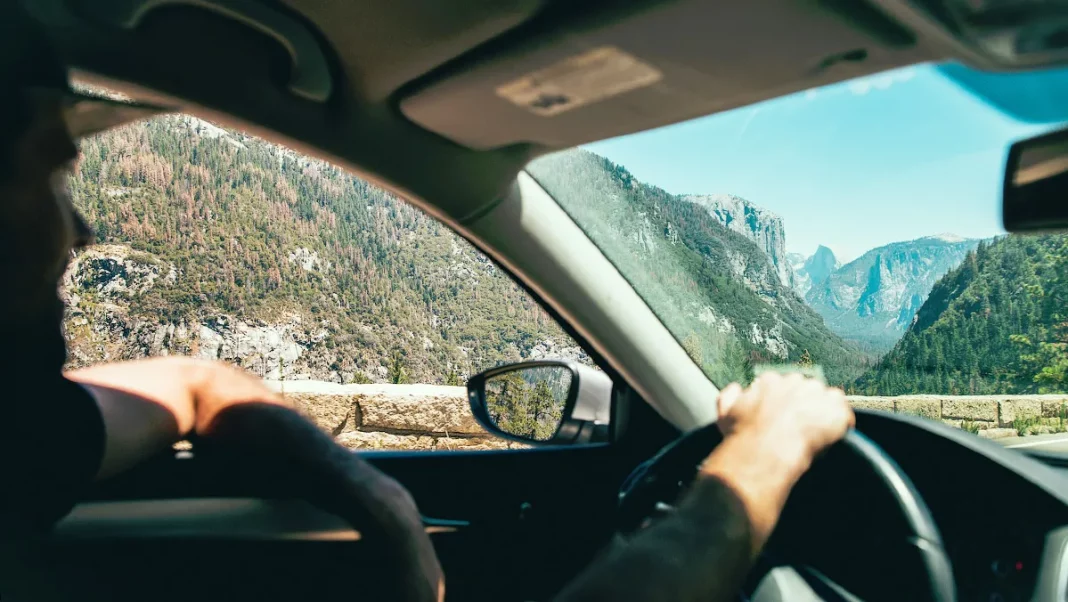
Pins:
x: 41, y: 119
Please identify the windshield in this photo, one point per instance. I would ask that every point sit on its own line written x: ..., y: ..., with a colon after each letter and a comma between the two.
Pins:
x: 852, y: 229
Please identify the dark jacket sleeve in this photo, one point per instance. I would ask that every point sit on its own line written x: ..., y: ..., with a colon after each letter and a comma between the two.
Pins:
x: 51, y: 445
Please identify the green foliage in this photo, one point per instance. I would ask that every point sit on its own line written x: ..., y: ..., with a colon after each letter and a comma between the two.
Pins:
x: 452, y: 378
x: 526, y: 409
x: 996, y: 324
x: 397, y: 374
x: 360, y: 378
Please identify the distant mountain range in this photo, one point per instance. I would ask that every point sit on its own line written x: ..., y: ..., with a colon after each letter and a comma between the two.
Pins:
x: 713, y: 268
x: 872, y: 300
x: 869, y: 301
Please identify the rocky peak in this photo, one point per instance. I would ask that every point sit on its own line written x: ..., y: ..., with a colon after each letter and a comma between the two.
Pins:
x: 753, y: 222
x: 873, y: 298
x: 813, y: 270
x: 821, y: 265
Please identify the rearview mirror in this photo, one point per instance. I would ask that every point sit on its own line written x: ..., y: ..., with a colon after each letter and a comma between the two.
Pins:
x: 543, y: 402
x: 1035, y: 193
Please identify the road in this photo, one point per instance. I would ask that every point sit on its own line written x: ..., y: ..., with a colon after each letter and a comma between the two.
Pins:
x: 1057, y: 442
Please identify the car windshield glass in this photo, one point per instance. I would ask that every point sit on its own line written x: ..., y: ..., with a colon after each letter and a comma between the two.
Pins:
x: 853, y: 230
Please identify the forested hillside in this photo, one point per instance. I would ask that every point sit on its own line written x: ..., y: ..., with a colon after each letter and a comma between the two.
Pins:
x: 222, y: 245
x: 714, y: 288
x: 998, y: 323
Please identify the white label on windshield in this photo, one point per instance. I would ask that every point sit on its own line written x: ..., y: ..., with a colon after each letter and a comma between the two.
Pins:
x: 579, y: 80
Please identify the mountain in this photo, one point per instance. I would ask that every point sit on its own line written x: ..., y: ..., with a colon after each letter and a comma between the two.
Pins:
x: 220, y: 245
x: 713, y: 286
x: 872, y: 300
x: 813, y: 270
x: 996, y: 324
x: 753, y: 222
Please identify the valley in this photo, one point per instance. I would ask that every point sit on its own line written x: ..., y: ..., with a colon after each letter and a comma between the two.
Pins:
x: 873, y: 299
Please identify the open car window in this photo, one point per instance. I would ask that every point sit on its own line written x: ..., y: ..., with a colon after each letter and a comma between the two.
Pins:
x: 364, y: 311
x: 853, y: 231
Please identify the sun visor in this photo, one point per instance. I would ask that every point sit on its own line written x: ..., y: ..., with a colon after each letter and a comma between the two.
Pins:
x: 675, y: 61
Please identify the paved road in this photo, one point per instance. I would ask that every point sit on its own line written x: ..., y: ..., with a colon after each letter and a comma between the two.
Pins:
x: 1057, y: 442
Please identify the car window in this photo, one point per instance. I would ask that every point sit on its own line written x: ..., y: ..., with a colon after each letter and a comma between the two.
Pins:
x: 851, y: 230
x: 364, y: 311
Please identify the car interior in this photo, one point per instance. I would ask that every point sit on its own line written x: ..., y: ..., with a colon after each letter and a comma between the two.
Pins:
x: 444, y: 104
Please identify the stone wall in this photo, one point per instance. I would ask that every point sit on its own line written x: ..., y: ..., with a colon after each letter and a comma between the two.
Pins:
x: 437, y: 417
x: 988, y: 415
x: 391, y: 416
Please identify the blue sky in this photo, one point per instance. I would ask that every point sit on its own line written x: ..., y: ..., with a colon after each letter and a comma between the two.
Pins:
x: 894, y: 156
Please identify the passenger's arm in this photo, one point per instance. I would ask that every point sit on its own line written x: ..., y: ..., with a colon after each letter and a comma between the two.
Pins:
x: 703, y: 551
x: 148, y: 405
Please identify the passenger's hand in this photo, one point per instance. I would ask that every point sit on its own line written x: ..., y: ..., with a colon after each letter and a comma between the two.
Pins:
x: 219, y: 386
x: 149, y: 404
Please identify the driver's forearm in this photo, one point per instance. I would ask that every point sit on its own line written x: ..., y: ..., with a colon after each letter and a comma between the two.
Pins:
x: 704, y: 550
x: 700, y: 553
x: 760, y: 471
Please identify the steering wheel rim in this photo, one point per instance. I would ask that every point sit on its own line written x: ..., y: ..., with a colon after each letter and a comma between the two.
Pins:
x: 670, y: 471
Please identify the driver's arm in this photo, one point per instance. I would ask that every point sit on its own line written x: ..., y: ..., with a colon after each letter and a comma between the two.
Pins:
x: 702, y: 552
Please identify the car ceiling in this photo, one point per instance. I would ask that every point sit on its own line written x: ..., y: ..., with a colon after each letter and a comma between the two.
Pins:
x: 414, y: 85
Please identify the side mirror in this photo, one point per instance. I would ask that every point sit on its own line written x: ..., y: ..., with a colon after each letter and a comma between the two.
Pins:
x: 1035, y: 193
x: 543, y: 402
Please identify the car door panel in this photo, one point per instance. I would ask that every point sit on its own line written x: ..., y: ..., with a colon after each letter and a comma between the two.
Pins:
x: 511, y: 524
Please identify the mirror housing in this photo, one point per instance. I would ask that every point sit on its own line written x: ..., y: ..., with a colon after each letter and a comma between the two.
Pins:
x: 585, y: 406
x: 996, y: 35
x: 1035, y: 192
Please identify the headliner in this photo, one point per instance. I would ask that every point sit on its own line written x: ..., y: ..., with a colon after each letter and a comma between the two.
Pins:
x: 414, y: 103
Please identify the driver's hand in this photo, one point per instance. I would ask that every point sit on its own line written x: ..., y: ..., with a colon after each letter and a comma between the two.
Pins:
x: 772, y: 431
x: 794, y: 416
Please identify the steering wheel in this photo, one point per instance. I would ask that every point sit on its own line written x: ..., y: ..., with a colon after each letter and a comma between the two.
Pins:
x: 902, y: 534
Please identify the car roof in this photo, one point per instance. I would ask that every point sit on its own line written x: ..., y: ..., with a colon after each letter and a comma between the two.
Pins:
x: 439, y: 101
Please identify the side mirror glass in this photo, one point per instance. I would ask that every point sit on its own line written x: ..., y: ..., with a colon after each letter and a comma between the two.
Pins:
x: 1035, y: 193
x: 543, y: 402
x: 529, y: 402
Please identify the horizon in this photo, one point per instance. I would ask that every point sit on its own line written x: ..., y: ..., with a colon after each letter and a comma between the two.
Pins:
x: 924, y: 147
